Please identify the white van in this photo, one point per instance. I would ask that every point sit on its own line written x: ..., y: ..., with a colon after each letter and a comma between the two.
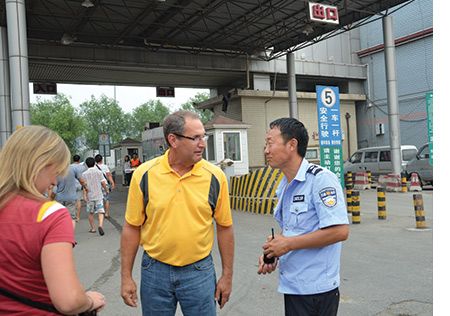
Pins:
x: 378, y: 159
x: 421, y: 165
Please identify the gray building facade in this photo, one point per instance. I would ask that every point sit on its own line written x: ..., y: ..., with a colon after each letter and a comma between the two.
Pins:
x: 413, y: 33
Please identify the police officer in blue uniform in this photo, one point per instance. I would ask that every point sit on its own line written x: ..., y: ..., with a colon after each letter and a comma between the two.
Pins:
x: 312, y: 214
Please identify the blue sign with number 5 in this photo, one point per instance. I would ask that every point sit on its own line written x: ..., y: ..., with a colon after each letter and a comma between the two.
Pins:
x: 329, y: 117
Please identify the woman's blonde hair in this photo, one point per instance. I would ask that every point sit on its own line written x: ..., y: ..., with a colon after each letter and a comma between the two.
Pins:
x: 25, y: 154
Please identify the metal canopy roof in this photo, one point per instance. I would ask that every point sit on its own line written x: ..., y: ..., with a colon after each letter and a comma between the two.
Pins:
x: 263, y: 28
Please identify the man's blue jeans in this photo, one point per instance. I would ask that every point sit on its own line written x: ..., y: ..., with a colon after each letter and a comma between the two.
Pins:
x: 163, y: 285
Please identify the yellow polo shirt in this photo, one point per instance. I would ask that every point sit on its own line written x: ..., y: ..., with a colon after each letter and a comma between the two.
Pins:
x: 177, y: 222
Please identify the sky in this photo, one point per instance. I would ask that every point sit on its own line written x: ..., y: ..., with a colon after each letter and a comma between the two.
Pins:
x: 127, y: 97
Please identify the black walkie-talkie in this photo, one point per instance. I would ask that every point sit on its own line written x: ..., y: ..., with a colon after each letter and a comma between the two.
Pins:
x: 265, y: 258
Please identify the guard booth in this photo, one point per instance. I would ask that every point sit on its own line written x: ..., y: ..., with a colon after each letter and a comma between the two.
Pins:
x: 128, y: 146
x: 227, y: 143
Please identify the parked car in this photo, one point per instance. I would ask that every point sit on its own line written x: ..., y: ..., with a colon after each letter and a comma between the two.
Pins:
x: 421, y: 165
x: 378, y: 159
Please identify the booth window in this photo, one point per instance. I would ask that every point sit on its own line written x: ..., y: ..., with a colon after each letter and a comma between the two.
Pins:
x: 232, y: 146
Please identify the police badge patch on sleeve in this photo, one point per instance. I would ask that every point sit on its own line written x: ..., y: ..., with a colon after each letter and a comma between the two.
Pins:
x: 328, y: 197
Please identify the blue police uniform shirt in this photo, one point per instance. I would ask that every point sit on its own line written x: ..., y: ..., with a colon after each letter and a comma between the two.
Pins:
x: 313, y: 200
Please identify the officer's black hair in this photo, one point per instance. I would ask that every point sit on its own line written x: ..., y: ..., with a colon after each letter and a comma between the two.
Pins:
x: 90, y: 162
x: 76, y: 158
x: 98, y: 158
x: 292, y: 128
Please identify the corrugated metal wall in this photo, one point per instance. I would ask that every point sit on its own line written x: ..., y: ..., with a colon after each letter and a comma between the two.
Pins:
x: 414, y: 77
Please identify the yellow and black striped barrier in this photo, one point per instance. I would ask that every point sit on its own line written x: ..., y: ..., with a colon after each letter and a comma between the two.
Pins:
x: 404, y: 186
x: 349, y: 201
x: 255, y: 192
x: 349, y: 181
x: 356, y: 215
x: 381, y: 197
x: 419, y: 211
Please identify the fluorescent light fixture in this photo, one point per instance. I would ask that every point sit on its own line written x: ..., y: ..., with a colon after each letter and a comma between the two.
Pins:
x: 67, y: 39
x: 87, y: 4
x: 307, y: 29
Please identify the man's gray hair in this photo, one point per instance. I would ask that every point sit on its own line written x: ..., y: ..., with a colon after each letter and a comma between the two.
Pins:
x: 174, y: 123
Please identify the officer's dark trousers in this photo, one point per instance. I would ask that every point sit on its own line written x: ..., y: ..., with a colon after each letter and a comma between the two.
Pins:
x: 323, y: 304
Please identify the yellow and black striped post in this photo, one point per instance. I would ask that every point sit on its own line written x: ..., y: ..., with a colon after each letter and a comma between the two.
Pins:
x: 369, y: 178
x: 349, y: 181
x: 255, y: 191
x: 356, y: 215
x: 381, y: 197
x: 404, y: 186
x: 419, y: 210
x: 349, y: 201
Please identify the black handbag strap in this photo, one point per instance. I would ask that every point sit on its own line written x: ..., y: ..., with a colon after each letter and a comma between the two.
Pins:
x: 27, y: 301
x: 39, y: 305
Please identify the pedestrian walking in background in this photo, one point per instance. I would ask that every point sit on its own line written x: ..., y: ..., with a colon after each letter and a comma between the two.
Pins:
x: 312, y: 214
x: 93, y: 195
x: 127, y: 170
x: 110, y: 182
x: 37, y: 272
x: 66, y: 189
x: 82, y: 168
x: 172, y: 202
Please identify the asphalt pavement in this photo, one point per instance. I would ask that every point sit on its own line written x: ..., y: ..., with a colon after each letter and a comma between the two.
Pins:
x: 386, y: 268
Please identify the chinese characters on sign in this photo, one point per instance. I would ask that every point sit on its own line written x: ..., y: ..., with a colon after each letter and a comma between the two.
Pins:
x: 330, y: 135
x: 328, y: 108
x: 323, y: 13
x: 332, y: 159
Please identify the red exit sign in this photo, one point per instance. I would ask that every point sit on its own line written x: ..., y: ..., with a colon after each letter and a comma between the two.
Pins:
x: 319, y: 12
x: 44, y: 88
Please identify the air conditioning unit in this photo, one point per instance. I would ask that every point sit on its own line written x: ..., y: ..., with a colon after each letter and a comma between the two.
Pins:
x: 379, y: 129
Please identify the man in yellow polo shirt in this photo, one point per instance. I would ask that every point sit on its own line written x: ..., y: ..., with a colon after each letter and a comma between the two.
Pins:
x: 172, y: 202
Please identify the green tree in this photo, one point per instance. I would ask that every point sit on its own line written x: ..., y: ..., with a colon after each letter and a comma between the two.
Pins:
x: 59, y: 115
x: 151, y: 111
x: 104, y: 115
x: 205, y: 115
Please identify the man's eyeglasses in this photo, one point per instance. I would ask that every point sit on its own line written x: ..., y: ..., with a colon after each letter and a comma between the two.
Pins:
x: 195, y: 138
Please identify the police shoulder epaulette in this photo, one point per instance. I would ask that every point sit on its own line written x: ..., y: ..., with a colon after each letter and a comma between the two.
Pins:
x: 314, y: 169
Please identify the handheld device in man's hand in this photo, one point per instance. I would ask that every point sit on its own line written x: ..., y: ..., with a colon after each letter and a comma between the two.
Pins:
x: 265, y: 258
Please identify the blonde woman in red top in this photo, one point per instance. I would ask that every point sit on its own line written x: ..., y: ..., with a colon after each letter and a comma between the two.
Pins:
x: 37, y: 236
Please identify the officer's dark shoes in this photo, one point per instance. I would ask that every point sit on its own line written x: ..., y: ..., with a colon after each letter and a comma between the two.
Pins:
x: 100, y: 231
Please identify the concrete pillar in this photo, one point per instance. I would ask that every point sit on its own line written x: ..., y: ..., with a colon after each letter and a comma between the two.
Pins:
x: 5, y: 101
x: 392, y: 97
x: 292, y: 85
x: 18, y: 62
